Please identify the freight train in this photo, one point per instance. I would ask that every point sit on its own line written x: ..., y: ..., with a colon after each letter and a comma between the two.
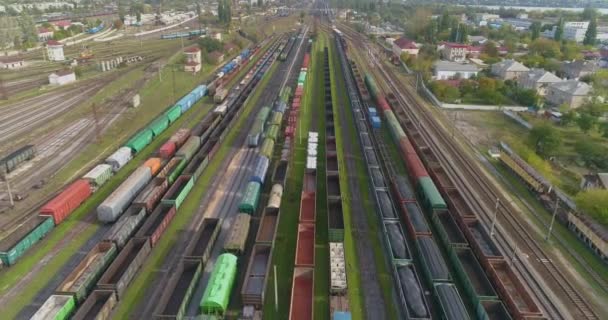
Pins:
x: 188, y: 34
x: 69, y: 199
x: 96, y: 29
x: 109, y: 267
x: 15, y: 158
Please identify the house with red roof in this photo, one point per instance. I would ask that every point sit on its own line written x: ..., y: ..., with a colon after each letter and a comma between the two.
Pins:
x: 405, y: 45
x: 54, y: 50
x: 64, y: 24
x: 45, y: 34
x: 193, y: 59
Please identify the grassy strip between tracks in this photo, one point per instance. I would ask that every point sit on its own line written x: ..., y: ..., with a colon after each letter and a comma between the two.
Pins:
x: 136, y: 290
x: 322, y: 273
x: 284, y: 250
x: 12, y: 275
x: 341, y: 101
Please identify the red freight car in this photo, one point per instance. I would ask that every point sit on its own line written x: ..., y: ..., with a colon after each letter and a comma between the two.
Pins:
x: 302, y: 290
x: 382, y: 103
x: 167, y: 150
x: 305, y: 247
x: 307, y: 207
x: 67, y: 201
x: 414, y: 164
x: 156, y: 224
x: 512, y: 291
x: 180, y: 137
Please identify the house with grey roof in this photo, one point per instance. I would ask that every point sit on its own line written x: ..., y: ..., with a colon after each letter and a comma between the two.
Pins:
x: 537, y: 79
x: 579, y: 68
x: 595, y: 181
x: 444, y: 70
x: 508, y: 69
x: 570, y: 92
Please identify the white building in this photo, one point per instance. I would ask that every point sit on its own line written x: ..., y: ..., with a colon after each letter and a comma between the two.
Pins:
x: 45, y: 34
x: 62, y: 77
x: 404, y: 45
x: 193, y: 59
x: 454, y: 51
x: 54, y: 50
x: 445, y: 70
x: 573, y: 31
x: 11, y: 62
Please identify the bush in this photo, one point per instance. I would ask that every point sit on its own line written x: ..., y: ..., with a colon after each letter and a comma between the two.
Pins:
x: 595, y: 204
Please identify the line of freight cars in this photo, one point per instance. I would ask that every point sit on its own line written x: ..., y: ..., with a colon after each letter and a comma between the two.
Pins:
x: 411, y: 292
x: 500, y: 273
x: 140, y: 228
x: 17, y: 157
x: 20, y: 240
x: 189, y: 34
x: 302, y: 288
x: 509, y: 287
x: 290, y: 43
x: 335, y: 215
x: 96, y: 29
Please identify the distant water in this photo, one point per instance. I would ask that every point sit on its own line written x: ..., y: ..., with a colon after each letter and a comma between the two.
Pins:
x: 601, y: 10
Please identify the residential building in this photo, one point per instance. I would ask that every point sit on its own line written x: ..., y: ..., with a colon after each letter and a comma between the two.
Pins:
x: 11, y: 62
x: 64, y: 24
x: 454, y: 51
x: 595, y: 181
x: 404, y: 45
x: 45, y: 34
x: 54, y: 50
x: 518, y: 24
x: 573, y: 30
x: 193, y: 59
x: 522, y: 16
x: 474, y: 51
x: 537, y: 79
x: 215, y: 57
x: 508, y: 69
x: 444, y: 70
x: 570, y: 92
x: 579, y: 68
x: 486, y: 17
x: 478, y: 39
x: 229, y: 47
x: 62, y: 77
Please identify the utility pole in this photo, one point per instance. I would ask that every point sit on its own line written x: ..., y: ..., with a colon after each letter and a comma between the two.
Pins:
x: 3, y: 92
x: 494, y: 219
x: 552, y: 219
x: 160, y: 72
x: 454, y: 124
x: 276, y: 293
x: 8, y: 187
x: 173, y: 75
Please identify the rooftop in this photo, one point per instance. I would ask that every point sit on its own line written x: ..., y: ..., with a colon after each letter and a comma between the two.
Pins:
x: 63, y: 72
x: 44, y: 30
x: 540, y: 75
x: 405, y: 43
x: 573, y: 87
x: 192, y: 50
x: 54, y: 43
x: 509, y: 65
x: 443, y: 65
x: 9, y: 59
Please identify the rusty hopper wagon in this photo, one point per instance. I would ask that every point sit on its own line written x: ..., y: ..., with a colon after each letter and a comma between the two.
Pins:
x: 204, y: 240
x: 97, y: 306
x: 178, y: 291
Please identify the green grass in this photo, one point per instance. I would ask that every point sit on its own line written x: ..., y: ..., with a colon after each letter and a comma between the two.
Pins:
x: 136, y: 290
x: 382, y: 269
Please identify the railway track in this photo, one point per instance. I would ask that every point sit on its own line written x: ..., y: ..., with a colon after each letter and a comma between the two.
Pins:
x: 465, y: 173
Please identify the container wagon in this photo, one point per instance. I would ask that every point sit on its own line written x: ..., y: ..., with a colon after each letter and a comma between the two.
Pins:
x: 119, y: 158
x: 217, y: 293
x: 260, y: 169
x: 97, y: 306
x: 111, y: 208
x: 220, y: 95
x: 140, y: 140
x: 67, y: 201
x: 99, y: 175
x: 237, y: 237
x: 249, y: 202
x: 14, y: 159
x: 83, y: 277
x: 204, y: 240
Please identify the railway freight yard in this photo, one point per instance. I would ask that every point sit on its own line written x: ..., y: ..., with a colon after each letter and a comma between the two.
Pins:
x: 302, y: 177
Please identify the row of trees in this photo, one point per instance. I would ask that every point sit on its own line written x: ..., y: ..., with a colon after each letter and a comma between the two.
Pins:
x: 224, y: 12
x: 485, y: 90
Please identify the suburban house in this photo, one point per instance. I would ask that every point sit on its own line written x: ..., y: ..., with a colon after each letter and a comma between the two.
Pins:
x: 579, y: 68
x: 45, y: 34
x: 454, y: 51
x: 508, y: 69
x: 570, y: 92
x: 595, y: 181
x: 54, y: 50
x: 62, y: 77
x: 11, y: 62
x: 404, y: 45
x: 537, y: 79
x: 193, y: 59
x: 444, y: 70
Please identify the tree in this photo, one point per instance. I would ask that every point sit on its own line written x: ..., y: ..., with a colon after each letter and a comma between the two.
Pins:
x: 138, y: 16
x: 591, y: 34
x: 121, y: 11
x: 593, y: 154
x: 545, y: 47
x: 444, y: 23
x: 589, y: 13
x: 571, y: 51
x: 559, y: 30
x: 526, y: 97
x: 210, y: 44
x: 594, y: 202
x: 260, y: 3
x: 586, y: 122
x: 27, y: 27
x: 535, y: 29
x: 568, y: 118
x: 545, y: 140
x: 490, y: 49
x: 604, y: 129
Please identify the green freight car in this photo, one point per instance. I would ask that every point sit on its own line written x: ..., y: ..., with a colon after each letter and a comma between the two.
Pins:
x: 174, y: 113
x: 267, y: 147
x: 10, y: 162
x: 371, y: 85
x: 159, y: 125
x: 394, y: 126
x: 217, y: 294
x: 272, y: 132
x: 177, y: 170
x: 285, y: 94
x: 140, y: 140
x: 24, y: 237
x: 250, y: 200
x: 264, y: 113
x: 178, y: 192
x: 277, y: 118
x: 430, y: 195
x: 56, y: 307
